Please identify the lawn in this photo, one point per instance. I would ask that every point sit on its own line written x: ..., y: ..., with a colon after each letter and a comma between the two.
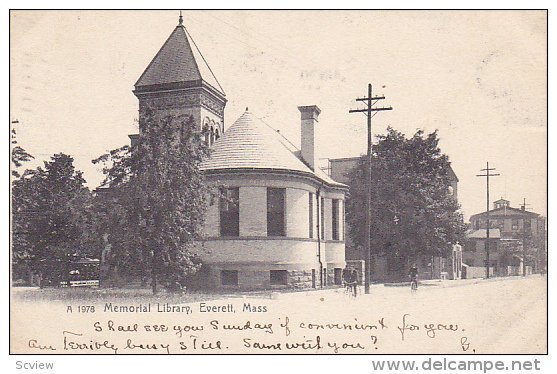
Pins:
x: 135, y: 295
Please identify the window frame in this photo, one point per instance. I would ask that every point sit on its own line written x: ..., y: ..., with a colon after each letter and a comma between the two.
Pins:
x: 281, y: 281
x: 515, y: 224
x: 225, y: 216
x: 335, y: 222
x: 233, y: 273
x: 310, y: 217
x: 322, y: 213
x: 276, y: 216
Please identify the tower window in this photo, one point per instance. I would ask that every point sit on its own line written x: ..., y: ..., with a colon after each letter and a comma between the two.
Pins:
x: 212, y: 136
x: 206, y: 134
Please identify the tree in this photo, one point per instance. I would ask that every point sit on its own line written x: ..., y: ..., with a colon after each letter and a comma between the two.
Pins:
x: 52, y: 216
x: 19, y: 155
x: 161, y: 197
x: 413, y: 211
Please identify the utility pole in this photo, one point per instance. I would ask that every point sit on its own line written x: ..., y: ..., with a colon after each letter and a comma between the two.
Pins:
x: 523, y: 206
x: 370, y: 100
x: 487, y: 175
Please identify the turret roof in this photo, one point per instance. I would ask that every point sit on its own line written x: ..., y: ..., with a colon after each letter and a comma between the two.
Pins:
x: 178, y: 61
x: 251, y: 144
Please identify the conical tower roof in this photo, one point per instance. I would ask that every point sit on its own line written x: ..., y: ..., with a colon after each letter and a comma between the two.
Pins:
x: 179, y: 61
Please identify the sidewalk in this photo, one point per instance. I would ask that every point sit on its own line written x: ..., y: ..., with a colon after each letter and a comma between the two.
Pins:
x: 377, y: 288
x: 459, y: 282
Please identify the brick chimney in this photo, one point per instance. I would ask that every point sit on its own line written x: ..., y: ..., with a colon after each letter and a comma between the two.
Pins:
x: 309, y: 115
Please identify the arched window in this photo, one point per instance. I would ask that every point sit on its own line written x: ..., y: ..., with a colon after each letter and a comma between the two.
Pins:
x: 217, y: 134
x: 206, y: 134
x: 206, y: 131
x: 212, y: 136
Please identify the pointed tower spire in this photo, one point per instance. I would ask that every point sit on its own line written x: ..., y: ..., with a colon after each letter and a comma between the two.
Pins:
x: 179, y: 81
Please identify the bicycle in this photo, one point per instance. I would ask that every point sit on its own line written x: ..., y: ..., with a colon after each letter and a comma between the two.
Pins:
x: 349, y: 289
x: 414, y: 285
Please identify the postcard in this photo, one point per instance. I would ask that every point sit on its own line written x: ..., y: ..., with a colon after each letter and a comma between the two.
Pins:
x: 278, y: 182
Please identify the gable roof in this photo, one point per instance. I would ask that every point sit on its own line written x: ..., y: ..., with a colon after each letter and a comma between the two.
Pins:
x: 505, y: 211
x: 251, y: 144
x: 178, y: 61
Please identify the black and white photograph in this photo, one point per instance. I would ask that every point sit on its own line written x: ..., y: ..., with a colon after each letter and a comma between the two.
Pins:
x: 338, y: 182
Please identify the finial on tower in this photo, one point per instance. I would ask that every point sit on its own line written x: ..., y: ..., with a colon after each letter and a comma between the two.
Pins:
x: 180, y: 19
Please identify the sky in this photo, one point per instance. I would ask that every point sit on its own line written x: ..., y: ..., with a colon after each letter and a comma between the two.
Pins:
x: 478, y: 77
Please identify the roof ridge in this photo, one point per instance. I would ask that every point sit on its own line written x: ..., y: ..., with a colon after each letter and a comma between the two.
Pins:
x: 507, y: 208
x: 204, y: 60
x: 251, y: 144
x: 280, y: 134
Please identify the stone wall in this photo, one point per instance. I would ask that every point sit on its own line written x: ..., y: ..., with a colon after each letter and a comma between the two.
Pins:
x: 197, y: 102
x: 256, y: 278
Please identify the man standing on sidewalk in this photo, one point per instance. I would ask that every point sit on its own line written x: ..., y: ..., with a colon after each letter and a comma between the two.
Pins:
x: 355, y: 277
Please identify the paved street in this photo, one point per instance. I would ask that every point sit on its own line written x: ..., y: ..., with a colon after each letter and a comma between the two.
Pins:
x: 501, y: 315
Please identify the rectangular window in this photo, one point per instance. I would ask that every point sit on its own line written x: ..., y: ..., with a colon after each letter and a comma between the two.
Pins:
x: 322, y: 218
x: 343, y: 220
x: 527, y: 225
x: 230, y: 212
x: 515, y: 224
x: 279, y: 277
x: 335, y: 212
x: 310, y: 215
x: 275, y: 212
x: 229, y: 277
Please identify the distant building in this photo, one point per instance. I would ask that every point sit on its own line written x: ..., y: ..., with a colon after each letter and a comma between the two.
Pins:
x: 430, y: 267
x: 509, y: 227
x: 512, y: 222
x: 281, y: 222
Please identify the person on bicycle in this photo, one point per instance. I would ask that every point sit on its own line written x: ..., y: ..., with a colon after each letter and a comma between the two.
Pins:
x: 347, y: 277
x: 413, y: 274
